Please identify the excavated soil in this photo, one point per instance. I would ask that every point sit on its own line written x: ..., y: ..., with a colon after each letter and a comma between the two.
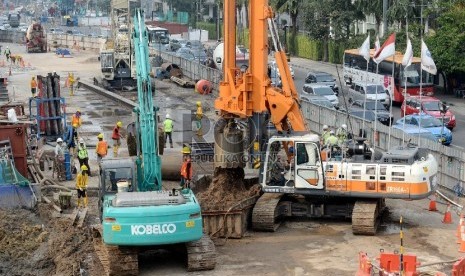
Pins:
x: 227, y: 189
x: 35, y: 243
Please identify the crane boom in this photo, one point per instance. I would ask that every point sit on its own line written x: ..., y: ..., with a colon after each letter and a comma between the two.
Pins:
x: 148, y: 161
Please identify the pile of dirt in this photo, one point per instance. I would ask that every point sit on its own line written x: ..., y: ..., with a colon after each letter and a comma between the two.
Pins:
x: 35, y: 243
x: 227, y: 189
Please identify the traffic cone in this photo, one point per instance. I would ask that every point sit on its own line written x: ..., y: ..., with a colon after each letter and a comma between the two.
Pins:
x: 432, y: 204
x: 461, y: 222
x: 447, y: 216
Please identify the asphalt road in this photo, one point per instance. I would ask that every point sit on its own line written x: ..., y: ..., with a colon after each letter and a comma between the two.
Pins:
x: 301, y: 68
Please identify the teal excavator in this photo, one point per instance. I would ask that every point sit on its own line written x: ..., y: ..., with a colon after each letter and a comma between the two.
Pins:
x: 136, y: 213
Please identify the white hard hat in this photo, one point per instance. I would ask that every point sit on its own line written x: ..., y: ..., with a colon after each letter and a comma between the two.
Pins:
x: 59, y: 140
x: 167, y: 116
x: 344, y: 126
x: 81, y: 140
x: 331, y: 131
x: 325, y: 127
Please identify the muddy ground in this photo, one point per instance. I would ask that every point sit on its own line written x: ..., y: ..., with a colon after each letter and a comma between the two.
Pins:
x: 37, y: 243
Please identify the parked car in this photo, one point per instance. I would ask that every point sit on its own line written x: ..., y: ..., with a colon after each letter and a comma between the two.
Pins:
x: 320, y: 90
x: 357, y: 91
x: 322, y: 78
x: 363, y: 114
x: 319, y: 100
x: 194, y: 44
x: 417, y: 131
x: 173, y: 45
x: 199, y: 55
x: 274, y: 66
x: 429, y: 105
x: 378, y: 108
x: 185, y: 52
x: 429, y: 123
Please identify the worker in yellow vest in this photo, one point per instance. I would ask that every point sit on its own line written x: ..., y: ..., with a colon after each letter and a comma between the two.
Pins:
x: 168, y: 129
x: 198, y: 118
x: 71, y: 83
x: 81, y: 186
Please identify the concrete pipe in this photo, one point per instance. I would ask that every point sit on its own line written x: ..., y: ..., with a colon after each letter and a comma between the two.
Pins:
x: 171, y: 164
x: 229, y: 146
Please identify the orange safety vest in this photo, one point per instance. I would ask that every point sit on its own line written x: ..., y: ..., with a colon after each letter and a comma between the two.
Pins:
x: 102, y: 148
x: 115, y: 135
x: 33, y: 84
x: 186, y: 169
x: 76, y: 121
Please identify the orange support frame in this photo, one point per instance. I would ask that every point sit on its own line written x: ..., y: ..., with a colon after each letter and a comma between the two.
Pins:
x: 390, y: 262
x: 459, y: 268
x: 364, y: 265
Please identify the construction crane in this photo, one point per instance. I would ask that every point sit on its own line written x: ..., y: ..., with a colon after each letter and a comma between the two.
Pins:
x: 350, y: 181
x: 136, y: 213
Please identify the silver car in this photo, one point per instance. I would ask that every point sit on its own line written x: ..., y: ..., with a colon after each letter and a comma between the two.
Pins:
x: 373, y: 92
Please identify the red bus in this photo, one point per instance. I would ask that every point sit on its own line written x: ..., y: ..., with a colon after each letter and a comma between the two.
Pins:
x: 355, y: 67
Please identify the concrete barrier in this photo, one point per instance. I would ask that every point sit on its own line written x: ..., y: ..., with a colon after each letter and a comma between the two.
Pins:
x: 75, y: 42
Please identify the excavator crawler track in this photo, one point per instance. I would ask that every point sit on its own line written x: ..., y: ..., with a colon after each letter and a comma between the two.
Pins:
x: 201, y: 254
x: 116, y: 260
x: 264, y: 215
x: 365, y: 217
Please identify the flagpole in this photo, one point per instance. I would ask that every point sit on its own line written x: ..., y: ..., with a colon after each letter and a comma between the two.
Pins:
x: 405, y: 87
x: 365, y: 101
x: 390, y: 104
x: 421, y: 88
x: 376, y: 108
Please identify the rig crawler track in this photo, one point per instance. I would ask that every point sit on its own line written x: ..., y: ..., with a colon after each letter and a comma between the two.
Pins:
x: 265, y: 216
x: 365, y: 217
x: 201, y: 254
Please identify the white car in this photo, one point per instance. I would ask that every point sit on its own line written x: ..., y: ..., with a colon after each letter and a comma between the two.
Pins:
x: 320, y: 90
x: 374, y: 92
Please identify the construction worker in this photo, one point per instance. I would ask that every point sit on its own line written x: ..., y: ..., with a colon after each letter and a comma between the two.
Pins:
x: 70, y: 137
x: 277, y: 173
x: 343, y: 134
x: 116, y: 137
x: 83, y: 155
x: 102, y: 148
x: 81, y: 186
x: 33, y: 87
x: 324, y: 134
x: 186, y: 167
x: 7, y: 53
x: 59, y: 166
x: 332, y: 140
x: 76, y: 120
x: 168, y: 129
x: 198, y: 118
x: 71, y: 83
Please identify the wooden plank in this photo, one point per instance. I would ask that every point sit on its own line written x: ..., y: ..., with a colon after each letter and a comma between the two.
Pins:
x: 82, y: 217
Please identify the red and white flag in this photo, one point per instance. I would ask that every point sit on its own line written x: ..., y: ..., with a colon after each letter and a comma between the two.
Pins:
x: 364, y: 50
x: 408, y: 56
x: 377, y: 45
x: 388, y: 49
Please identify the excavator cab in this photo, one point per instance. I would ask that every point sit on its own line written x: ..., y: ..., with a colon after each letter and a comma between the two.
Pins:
x: 293, y: 162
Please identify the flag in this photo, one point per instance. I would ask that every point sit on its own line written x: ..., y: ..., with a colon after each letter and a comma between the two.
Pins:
x: 408, y: 56
x: 388, y: 49
x: 377, y: 45
x: 427, y: 62
x: 364, y: 50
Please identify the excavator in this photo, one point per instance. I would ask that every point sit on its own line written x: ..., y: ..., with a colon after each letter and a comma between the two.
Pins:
x: 350, y: 182
x: 136, y: 213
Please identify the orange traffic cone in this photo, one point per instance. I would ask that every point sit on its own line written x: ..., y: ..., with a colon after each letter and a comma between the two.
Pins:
x: 432, y: 204
x: 462, y: 240
x: 447, y: 216
x: 461, y: 222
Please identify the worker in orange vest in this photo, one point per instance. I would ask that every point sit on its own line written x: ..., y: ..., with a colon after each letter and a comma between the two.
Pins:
x: 76, y: 122
x: 116, y: 136
x: 33, y: 87
x: 186, y: 167
x: 101, y: 149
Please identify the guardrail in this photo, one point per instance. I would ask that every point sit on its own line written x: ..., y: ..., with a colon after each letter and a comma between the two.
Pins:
x: 75, y: 41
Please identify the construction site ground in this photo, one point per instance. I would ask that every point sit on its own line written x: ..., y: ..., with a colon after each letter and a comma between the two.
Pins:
x: 40, y: 242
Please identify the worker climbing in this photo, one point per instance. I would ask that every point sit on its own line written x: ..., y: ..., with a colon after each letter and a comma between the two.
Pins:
x: 168, y: 129
x: 116, y: 137
x: 325, y: 134
x: 198, y: 119
x: 33, y: 87
x: 186, y: 167
x: 81, y: 186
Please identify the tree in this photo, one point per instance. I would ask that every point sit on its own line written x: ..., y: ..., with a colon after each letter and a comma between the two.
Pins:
x: 447, y: 45
x: 371, y: 7
x: 292, y: 7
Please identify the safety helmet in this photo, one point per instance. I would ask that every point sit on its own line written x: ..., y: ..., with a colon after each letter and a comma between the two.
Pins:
x: 100, y: 136
x: 167, y: 116
x: 84, y: 168
x: 331, y: 132
x: 199, y: 103
x: 78, y: 111
x: 325, y: 127
x: 344, y: 126
x: 81, y: 140
x: 119, y: 124
x: 59, y: 140
x: 186, y: 150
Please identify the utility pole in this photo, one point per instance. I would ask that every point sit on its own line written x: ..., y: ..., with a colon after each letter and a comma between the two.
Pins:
x: 385, y: 8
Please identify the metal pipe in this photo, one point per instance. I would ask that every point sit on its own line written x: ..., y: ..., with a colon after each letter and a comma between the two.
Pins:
x: 53, y: 204
x: 449, y: 200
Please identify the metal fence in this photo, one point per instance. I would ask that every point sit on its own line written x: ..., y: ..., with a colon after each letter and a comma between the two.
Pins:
x: 451, y: 160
